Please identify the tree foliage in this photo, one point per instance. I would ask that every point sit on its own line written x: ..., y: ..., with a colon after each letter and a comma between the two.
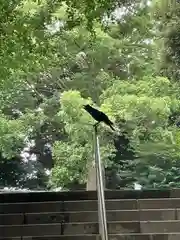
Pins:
x: 167, y: 14
x: 51, y: 65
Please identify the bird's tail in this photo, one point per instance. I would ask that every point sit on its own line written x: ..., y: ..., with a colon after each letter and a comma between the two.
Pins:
x: 112, y: 127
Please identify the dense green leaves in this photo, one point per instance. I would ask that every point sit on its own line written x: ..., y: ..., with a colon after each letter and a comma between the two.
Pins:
x: 145, y: 105
x: 51, y: 66
x: 73, y: 156
x: 167, y: 15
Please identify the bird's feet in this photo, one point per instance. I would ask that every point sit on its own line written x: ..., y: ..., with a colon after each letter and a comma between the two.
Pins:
x: 95, y: 126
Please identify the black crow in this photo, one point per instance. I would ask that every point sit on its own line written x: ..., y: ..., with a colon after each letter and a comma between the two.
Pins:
x: 98, y: 116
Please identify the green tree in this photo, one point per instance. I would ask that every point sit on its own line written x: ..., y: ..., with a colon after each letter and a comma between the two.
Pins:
x: 145, y: 107
x: 167, y: 15
x: 51, y: 65
x: 73, y: 156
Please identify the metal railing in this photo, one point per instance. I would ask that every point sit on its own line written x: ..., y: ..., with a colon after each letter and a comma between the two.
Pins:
x: 100, y: 189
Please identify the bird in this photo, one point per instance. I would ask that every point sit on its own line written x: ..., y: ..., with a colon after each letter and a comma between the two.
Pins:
x: 98, y: 116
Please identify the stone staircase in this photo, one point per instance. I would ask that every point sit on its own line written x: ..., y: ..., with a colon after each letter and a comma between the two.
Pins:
x: 131, y: 215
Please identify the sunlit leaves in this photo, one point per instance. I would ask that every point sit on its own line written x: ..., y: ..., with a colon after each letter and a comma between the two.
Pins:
x: 73, y: 157
x: 12, y: 134
x: 166, y: 14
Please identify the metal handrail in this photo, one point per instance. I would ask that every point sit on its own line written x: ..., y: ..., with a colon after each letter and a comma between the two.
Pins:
x: 100, y: 190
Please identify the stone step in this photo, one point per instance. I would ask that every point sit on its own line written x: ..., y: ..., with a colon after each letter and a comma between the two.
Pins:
x: 89, y: 216
x: 148, y: 227
x: 162, y: 236
x: 10, y: 197
x: 89, y: 205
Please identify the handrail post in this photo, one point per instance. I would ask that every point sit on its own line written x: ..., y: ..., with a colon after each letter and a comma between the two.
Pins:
x: 100, y: 189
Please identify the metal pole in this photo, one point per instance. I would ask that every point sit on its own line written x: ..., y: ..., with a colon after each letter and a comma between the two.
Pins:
x: 100, y: 190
